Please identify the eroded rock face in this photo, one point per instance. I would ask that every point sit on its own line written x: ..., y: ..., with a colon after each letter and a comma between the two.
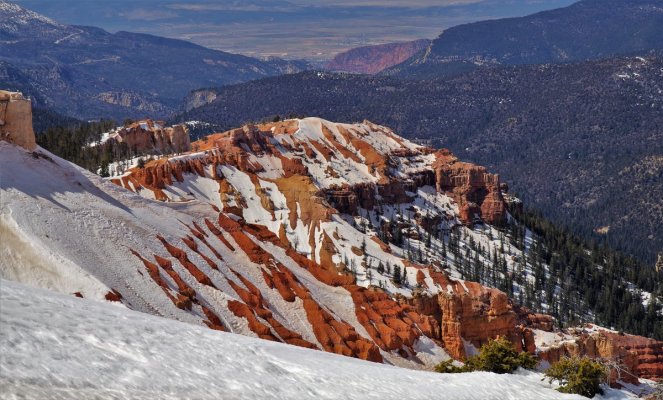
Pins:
x: 638, y: 356
x: 476, y: 191
x: 475, y: 316
x: 469, y: 313
x: 151, y: 136
x: 16, y: 120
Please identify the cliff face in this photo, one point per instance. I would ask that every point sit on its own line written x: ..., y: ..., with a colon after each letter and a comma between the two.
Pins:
x: 16, y: 120
x: 152, y: 136
x: 373, y: 59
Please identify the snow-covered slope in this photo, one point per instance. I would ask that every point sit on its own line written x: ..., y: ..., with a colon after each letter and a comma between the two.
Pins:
x: 338, y: 237
x: 73, y: 232
x: 54, y: 346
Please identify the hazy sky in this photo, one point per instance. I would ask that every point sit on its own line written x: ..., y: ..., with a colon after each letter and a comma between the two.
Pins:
x: 290, y: 29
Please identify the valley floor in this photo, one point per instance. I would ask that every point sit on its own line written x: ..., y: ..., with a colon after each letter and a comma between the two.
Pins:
x: 54, y: 346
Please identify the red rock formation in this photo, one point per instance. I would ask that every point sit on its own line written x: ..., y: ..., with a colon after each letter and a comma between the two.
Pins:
x: 213, y: 321
x: 467, y: 311
x: 476, y: 191
x: 391, y: 325
x: 339, y: 336
x: 255, y: 307
x: 113, y: 295
x: 641, y: 357
x: 373, y: 59
x: 477, y: 316
x: 479, y: 313
x: 148, y: 135
x: 16, y: 120
x: 463, y: 313
x: 153, y: 271
x: 181, y: 256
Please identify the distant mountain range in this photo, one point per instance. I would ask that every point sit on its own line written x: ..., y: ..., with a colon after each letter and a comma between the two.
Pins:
x: 585, y: 30
x: 547, y: 128
x: 88, y: 73
x: 580, y: 141
x: 373, y: 59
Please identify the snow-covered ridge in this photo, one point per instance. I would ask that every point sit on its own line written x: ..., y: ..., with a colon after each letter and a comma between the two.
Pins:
x: 14, y: 18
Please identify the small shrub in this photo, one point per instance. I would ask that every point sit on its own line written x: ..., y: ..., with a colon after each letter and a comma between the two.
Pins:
x: 581, y: 376
x: 497, y: 356
x: 500, y: 357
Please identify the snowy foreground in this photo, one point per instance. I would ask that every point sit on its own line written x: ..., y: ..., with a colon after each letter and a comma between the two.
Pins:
x: 54, y: 346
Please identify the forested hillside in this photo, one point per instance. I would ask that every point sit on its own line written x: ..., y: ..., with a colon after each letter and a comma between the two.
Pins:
x: 588, y: 29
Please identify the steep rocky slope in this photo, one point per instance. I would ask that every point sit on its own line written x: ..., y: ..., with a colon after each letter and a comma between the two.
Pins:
x: 373, y: 59
x: 288, y: 232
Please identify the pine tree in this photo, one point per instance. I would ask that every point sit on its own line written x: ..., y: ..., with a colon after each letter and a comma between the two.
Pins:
x: 397, y: 275
x: 380, y: 268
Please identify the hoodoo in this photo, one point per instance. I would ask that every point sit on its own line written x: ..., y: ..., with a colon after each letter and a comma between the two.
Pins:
x: 16, y: 120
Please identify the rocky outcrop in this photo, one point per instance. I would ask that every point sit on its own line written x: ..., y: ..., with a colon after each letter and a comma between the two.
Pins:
x: 476, y: 191
x: 151, y: 136
x: 475, y: 317
x: 16, y: 120
x: 198, y: 98
x: 133, y: 100
x: 392, y: 190
x: 373, y: 59
x: 471, y: 314
x: 636, y: 356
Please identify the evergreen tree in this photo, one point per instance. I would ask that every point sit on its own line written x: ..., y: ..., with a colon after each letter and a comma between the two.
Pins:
x: 397, y: 275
